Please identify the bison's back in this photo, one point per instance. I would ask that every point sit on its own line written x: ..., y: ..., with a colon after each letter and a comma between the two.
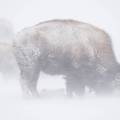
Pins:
x: 67, y: 36
x: 63, y: 32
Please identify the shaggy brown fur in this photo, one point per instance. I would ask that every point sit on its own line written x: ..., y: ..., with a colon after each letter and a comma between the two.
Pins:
x: 80, y: 51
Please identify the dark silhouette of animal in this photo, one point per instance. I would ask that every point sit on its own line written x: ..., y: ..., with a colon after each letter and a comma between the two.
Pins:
x: 81, y: 52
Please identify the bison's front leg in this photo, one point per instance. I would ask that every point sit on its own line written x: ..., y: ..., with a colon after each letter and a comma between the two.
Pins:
x: 74, y: 85
x: 103, y: 84
x: 69, y: 88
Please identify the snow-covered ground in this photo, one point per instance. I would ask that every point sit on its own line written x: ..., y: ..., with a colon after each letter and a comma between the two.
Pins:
x: 13, y: 106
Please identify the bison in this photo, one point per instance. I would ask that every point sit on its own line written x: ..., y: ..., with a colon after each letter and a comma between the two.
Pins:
x: 81, y: 52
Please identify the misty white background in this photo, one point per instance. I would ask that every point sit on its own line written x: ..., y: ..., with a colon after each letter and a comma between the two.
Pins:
x: 24, y: 13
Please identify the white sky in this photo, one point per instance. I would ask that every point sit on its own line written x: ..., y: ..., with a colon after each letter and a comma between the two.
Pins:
x: 102, y: 13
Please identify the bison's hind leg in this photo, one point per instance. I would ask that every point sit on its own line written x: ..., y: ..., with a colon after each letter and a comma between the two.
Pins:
x: 29, y: 71
x: 28, y: 80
